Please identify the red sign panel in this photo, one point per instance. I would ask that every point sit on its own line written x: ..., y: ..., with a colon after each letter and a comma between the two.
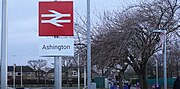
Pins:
x: 56, y: 18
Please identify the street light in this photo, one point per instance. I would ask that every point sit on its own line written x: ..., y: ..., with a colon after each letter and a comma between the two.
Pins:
x: 78, y: 73
x: 4, y: 43
x: 164, y: 49
x: 79, y: 44
x: 156, y: 73
x: 88, y: 46
x: 78, y: 59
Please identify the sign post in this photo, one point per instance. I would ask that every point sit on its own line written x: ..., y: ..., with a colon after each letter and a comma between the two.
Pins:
x: 57, y: 72
x: 56, y: 19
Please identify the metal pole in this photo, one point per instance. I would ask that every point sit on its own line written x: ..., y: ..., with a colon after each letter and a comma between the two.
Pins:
x: 88, y: 46
x: 164, y: 53
x: 60, y: 73
x: 14, y: 75
x: 156, y: 73
x: 78, y: 73
x: 57, y: 72
x: 21, y: 75
x: 4, y: 46
x: 165, y: 72
x: 84, y: 74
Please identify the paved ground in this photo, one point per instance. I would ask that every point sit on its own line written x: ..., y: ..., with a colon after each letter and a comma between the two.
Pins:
x: 53, y: 88
x: 133, y: 87
x: 46, y: 88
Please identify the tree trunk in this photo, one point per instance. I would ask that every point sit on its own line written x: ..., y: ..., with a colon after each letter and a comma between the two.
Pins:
x: 177, y: 70
x: 66, y: 77
x: 102, y: 72
x: 141, y: 71
x: 36, y: 76
x: 120, y: 80
x: 143, y: 81
x: 142, y: 76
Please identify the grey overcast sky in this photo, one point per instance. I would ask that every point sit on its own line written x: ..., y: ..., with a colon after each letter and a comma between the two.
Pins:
x: 23, y: 26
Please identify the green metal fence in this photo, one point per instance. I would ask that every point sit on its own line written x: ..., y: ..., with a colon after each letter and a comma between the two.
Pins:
x: 170, y: 81
x: 100, y: 82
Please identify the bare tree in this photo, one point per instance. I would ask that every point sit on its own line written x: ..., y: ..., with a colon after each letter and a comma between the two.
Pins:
x: 128, y: 36
x: 38, y: 66
x: 173, y: 56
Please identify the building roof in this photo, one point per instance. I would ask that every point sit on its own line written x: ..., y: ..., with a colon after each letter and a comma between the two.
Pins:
x: 67, y: 68
x: 18, y: 69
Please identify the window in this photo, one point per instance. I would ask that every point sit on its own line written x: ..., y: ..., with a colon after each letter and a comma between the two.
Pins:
x: 74, y: 73
x: 9, y: 74
x: 18, y: 74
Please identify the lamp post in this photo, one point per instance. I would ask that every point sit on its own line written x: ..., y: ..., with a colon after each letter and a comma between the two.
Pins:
x: 79, y: 44
x: 4, y: 43
x: 78, y: 60
x: 85, y: 74
x: 88, y: 47
x: 164, y: 53
x: 156, y: 73
x: 78, y: 72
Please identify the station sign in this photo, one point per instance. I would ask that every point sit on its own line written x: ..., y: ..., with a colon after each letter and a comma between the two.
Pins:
x: 56, y: 18
x: 50, y: 47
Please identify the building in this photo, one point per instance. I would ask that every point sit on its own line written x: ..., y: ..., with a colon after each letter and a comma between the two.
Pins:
x: 27, y: 73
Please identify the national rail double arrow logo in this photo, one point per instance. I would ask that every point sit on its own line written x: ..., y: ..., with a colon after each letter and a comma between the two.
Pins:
x: 55, y: 20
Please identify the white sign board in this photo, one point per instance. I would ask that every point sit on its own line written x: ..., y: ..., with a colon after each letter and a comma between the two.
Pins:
x: 50, y: 47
